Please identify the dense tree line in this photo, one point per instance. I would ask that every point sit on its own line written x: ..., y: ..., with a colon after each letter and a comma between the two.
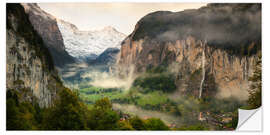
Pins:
x: 152, y: 82
x: 69, y: 113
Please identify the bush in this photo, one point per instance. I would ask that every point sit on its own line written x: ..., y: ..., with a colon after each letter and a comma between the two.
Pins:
x: 149, y: 124
x: 155, y: 124
x: 137, y: 123
x: 124, y: 125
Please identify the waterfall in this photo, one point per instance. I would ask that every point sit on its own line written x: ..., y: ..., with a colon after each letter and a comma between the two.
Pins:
x: 203, y: 69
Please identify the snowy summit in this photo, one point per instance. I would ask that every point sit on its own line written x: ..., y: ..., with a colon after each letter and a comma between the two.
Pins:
x: 89, y: 44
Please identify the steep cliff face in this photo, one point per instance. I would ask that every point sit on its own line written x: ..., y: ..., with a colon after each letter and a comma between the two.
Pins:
x: 201, y: 60
x: 30, y: 69
x: 46, y: 26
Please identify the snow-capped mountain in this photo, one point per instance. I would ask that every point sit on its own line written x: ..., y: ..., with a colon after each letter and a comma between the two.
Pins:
x: 88, y: 44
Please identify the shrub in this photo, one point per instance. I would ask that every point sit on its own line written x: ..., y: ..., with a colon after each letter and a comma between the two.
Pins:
x: 137, y: 123
x: 124, y: 125
x: 155, y: 124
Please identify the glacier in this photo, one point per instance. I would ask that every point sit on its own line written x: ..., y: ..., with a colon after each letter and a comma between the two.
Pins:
x: 86, y: 45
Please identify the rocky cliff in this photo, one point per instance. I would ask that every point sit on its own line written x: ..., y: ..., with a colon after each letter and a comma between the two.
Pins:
x: 46, y: 26
x: 209, y: 49
x: 30, y: 69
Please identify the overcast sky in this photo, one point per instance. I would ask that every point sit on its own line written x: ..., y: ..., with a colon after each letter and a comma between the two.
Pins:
x: 122, y: 16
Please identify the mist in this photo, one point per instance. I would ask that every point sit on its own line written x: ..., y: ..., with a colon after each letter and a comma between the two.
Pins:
x: 221, y: 25
x: 145, y: 114
x: 110, y: 79
x: 238, y: 92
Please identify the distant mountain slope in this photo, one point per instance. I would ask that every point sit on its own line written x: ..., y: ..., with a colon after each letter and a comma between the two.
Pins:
x: 108, y: 57
x: 88, y: 44
x: 30, y: 69
x: 209, y: 49
x: 46, y: 26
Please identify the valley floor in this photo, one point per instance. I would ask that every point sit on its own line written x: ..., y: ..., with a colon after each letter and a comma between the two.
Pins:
x: 177, y: 112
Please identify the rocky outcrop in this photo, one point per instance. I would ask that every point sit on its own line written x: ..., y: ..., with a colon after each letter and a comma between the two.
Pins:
x: 180, y: 42
x: 30, y: 70
x: 46, y: 26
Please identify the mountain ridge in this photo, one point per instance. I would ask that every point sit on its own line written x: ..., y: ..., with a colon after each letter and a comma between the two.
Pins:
x: 226, y: 26
x: 89, y: 44
x: 46, y: 26
x: 182, y: 42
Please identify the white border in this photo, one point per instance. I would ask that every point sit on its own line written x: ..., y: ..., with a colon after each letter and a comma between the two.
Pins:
x: 266, y: 70
x: 137, y: 1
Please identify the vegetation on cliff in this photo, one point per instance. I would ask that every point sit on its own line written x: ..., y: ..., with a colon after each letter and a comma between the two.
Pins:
x: 255, y: 91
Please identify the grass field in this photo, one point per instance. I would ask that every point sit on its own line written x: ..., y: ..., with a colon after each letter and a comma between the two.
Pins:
x: 153, y: 98
x: 91, y: 94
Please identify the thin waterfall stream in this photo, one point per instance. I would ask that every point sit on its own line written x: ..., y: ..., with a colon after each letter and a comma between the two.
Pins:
x: 203, y: 69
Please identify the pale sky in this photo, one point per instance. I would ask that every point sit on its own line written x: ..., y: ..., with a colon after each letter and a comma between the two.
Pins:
x: 122, y: 16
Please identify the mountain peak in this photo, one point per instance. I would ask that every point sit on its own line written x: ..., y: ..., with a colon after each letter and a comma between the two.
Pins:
x: 86, y: 44
x: 109, y: 28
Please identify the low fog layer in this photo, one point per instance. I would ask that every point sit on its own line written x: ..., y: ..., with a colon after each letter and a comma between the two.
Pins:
x: 145, y: 114
x: 110, y: 79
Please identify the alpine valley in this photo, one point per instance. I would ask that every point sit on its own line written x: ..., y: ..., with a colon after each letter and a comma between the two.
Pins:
x: 186, y: 70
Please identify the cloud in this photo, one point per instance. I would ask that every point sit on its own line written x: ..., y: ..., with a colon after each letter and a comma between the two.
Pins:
x: 122, y: 16
x: 219, y: 24
x: 110, y: 79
